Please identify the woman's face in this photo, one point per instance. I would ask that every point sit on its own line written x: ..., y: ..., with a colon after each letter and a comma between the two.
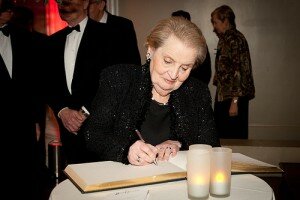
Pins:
x: 171, y: 65
x: 219, y: 26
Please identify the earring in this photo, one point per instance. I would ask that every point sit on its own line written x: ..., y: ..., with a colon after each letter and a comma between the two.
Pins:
x: 148, y: 57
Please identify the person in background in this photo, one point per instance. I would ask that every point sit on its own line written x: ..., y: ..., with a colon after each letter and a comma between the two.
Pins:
x: 23, y: 18
x: 203, y: 71
x: 19, y: 103
x: 78, y: 53
x: 154, y: 110
x: 233, y: 76
x: 124, y: 34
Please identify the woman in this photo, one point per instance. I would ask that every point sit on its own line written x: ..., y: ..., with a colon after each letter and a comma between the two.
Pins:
x: 170, y: 110
x: 233, y: 76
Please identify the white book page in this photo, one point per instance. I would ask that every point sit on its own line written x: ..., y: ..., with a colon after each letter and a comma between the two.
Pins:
x: 109, y: 171
x: 241, y: 158
x: 180, y: 160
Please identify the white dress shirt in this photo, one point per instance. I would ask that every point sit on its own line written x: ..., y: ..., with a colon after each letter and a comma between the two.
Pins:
x: 71, y: 49
x: 6, y: 51
x: 104, y: 18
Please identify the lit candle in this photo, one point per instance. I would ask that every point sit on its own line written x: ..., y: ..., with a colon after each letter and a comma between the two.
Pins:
x: 198, y: 173
x: 220, y: 185
x: 220, y: 181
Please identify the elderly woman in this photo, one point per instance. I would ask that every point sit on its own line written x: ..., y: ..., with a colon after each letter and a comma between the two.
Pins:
x: 141, y: 113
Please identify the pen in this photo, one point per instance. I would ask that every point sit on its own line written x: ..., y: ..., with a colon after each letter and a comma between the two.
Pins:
x: 141, y: 138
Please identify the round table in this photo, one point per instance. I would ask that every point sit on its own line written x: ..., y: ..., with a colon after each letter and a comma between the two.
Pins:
x: 243, y: 187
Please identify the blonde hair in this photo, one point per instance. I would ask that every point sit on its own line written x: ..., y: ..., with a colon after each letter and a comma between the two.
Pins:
x: 184, y: 30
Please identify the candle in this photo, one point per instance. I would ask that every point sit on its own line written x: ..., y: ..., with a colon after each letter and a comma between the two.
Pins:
x: 200, y: 146
x: 220, y: 185
x: 220, y: 181
x: 198, y: 173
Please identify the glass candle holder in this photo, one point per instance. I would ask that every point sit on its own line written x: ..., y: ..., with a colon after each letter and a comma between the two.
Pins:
x: 220, y: 177
x: 198, y: 173
x: 200, y: 146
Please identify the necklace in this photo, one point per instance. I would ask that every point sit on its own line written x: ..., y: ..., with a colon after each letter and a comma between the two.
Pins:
x: 161, y: 104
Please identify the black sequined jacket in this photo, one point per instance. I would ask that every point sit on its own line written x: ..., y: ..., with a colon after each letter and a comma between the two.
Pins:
x: 122, y: 101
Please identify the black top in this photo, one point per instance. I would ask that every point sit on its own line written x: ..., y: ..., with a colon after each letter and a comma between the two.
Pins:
x: 121, y: 104
x: 156, y: 127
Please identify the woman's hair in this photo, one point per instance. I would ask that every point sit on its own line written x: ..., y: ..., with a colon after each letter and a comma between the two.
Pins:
x: 184, y: 30
x: 225, y: 12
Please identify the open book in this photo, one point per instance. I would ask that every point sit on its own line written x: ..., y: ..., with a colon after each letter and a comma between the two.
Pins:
x: 240, y: 164
x: 98, y: 176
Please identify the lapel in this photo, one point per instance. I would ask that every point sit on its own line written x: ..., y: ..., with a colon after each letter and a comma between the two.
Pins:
x: 59, y: 51
x: 83, y: 51
x: 109, y: 18
x: 4, y: 75
x: 14, y: 56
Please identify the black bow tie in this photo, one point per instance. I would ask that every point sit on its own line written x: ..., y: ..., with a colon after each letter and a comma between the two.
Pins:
x: 70, y: 29
x: 5, y: 31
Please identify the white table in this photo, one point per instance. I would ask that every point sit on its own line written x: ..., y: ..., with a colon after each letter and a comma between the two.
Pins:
x: 243, y: 187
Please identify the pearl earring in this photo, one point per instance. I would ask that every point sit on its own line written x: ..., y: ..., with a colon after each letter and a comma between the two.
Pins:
x: 148, y: 57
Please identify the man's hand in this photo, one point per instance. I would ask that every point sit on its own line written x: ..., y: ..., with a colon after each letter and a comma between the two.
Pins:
x: 72, y: 119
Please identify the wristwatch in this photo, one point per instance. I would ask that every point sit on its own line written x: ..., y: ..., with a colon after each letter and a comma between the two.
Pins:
x: 235, y: 100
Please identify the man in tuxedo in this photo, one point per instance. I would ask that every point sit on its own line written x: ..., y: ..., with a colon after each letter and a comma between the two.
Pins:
x: 18, y: 104
x: 123, y: 29
x: 77, y: 53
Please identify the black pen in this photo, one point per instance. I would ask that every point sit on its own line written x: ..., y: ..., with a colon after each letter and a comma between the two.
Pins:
x: 141, y: 138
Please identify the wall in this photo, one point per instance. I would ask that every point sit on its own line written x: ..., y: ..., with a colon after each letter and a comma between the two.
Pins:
x: 272, y: 30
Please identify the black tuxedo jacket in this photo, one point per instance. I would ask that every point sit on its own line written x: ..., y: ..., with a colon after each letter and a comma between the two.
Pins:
x: 18, y: 91
x: 17, y: 120
x: 125, y: 39
x: 94, y: 54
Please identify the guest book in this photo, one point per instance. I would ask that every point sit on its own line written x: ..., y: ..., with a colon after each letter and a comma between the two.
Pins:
x: 99, y: 176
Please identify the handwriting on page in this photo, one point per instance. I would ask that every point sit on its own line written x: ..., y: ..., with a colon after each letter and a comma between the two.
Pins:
x: 137, y: 194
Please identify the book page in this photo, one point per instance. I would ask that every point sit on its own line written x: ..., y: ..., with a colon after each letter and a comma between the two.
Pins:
x: 107, y: 175
x: 238, y: 157
x: 240, y: 163
x: 101, y: 172
x: 179, y: 160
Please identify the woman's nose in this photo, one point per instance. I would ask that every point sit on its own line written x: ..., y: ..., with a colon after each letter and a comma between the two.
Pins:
x: 173, y: 74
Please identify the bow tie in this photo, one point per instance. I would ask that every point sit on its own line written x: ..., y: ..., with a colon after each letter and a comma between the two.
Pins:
x: 70, y: 29
x: 5, y: 31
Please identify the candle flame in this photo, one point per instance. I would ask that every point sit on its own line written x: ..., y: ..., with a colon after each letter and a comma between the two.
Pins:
x: 199, y: 180
x: 220, y: 177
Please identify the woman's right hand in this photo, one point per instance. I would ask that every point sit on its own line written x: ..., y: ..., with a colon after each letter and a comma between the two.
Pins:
x: 141, y: 153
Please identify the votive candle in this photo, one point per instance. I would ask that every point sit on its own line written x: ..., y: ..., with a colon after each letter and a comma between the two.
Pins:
x: 220, y: 178
x: 198, y: 173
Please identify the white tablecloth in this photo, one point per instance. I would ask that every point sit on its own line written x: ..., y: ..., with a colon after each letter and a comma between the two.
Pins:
x: 243, y: 187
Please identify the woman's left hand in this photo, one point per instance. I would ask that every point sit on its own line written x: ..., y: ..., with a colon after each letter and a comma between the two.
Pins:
x: 167, y: 149
x: 233, y: 110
